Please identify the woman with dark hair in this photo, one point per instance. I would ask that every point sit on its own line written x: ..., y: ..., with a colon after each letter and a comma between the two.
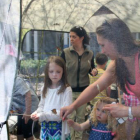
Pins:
x: 79, y: 62
x: 116, y: 42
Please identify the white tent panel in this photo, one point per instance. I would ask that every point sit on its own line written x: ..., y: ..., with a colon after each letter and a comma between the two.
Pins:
x: 9, y: 39
x: 61, y: 15
x: 95, y: 22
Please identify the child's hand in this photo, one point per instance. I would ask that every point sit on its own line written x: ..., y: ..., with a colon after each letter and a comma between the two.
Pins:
x: 70, y: 122
x: 34, y: 116
x: 94, y: 72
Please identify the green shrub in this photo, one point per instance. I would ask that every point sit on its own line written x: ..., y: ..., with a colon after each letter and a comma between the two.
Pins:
x: 26, y: 64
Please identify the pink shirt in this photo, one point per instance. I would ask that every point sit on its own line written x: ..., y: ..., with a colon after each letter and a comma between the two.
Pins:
x: 135, y: 88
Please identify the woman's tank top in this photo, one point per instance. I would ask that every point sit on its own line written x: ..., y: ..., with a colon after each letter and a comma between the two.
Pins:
x: 135, y: 88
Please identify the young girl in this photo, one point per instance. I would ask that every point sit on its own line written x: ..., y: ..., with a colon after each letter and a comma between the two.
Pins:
x: 103, y: 125
x: 56, y: 94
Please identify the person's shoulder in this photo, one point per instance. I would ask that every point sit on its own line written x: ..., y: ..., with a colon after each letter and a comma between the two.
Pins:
x: 89, y: 51
x: 90, y: 76
x: 67, y: 49
x: 20, y: 88
x: 101, y: 70
x: 18, y: 78
x: 19, y: 81
x: 67, y: 94
x: 68, y: 88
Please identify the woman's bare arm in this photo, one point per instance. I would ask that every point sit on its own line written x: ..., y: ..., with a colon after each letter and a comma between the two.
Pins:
x: 91, y: 91
x: 119, y: 110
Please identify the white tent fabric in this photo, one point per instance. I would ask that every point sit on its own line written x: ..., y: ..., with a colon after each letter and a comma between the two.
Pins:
x: 61, y: 15
x: 9, y: 35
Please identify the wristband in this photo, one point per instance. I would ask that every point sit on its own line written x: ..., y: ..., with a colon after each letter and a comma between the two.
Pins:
x: 120, y: 120
x: 130, y: 113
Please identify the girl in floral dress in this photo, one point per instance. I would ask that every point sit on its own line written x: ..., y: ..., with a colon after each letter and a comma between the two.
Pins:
x: 56, y: 93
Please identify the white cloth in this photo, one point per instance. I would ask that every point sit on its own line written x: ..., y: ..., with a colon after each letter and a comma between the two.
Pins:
x: 12, y: 122
x: 113, y: 86
x: 53, y: 100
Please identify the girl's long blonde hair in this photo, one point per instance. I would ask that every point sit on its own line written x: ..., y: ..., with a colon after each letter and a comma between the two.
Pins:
x: 111, y: 121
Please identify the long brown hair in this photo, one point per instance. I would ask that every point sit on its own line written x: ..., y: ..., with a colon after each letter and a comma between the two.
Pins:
x: 117, y: 32
x: 47, y: 82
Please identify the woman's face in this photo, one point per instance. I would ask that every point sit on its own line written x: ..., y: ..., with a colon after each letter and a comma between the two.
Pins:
x: 107, y: 47
x: 75, y: 39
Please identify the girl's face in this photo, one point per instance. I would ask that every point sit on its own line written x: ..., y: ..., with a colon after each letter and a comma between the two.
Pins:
x: 75, y: 39
x: 107, y: 47
x: 101, y: 114
x: 55, y: 73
